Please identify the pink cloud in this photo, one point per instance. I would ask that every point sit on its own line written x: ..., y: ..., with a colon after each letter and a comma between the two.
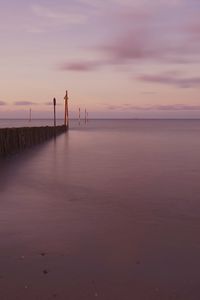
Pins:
x: 193, y: 29
x: 129, y: 46
x: 80, y: 66
x: 172, y: 107
x: 24, y: 103
x: 172, y: 79
x: 146, y: 33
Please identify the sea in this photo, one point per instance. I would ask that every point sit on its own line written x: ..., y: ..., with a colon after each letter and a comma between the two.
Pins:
x: 108, y: 210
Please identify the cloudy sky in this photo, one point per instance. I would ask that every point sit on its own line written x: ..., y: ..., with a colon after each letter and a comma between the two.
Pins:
x: 117, y: 58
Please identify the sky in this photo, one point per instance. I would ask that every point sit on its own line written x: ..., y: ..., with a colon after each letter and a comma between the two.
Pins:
x: 116, y: 58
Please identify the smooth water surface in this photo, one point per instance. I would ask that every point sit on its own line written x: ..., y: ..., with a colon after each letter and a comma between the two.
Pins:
x: 109, y: 210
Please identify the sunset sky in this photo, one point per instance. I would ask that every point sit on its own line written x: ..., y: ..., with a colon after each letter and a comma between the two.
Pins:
x: 117, y: 58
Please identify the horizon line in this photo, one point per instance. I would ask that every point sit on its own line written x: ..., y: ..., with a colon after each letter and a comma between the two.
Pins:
x: 76, y: 119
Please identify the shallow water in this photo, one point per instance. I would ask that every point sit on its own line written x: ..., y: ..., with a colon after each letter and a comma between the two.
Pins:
x: 109, y: 210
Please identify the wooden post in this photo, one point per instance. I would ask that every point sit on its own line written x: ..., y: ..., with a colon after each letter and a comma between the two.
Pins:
x: 66, y: 122
x: 30, y: 117
x: 79, y: 116
x: 54, y: 105
x: 85, y: 116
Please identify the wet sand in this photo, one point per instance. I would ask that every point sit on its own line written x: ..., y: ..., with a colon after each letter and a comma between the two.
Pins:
x: 108, y: 212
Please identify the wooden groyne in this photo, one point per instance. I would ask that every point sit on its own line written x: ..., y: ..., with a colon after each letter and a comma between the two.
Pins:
x: 13, y: 140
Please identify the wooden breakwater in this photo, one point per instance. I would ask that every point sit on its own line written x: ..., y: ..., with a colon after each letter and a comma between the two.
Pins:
x: 13, y: 140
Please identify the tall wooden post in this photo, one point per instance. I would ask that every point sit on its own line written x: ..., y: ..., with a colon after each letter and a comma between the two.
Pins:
x: 79, y: 116
x: 30, y: 112
x: 85, y: 116
x: 66, y: 110
x: 54, y: 105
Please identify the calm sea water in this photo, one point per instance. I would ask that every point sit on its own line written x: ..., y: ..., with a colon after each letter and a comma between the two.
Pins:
x: 109, y: 210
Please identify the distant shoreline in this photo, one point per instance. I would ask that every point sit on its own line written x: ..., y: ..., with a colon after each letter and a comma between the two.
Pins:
x: 106, y: 119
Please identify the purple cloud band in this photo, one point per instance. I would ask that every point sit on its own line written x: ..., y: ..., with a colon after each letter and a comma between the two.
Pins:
x: 24, y: 103
x: 173, y: 107
x: 80, y: 66
x: 172, y: 79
